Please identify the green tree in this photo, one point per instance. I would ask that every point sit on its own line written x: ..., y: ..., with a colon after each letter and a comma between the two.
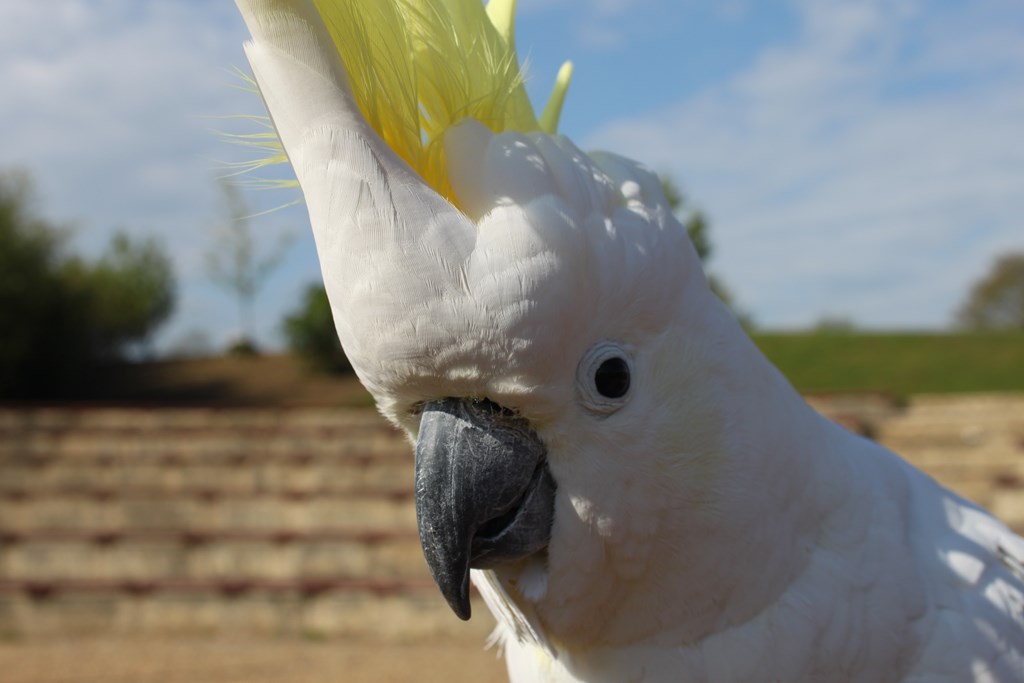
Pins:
x: 312, y: 336
x: 234, y: 262
x: 996, y: 301
x: 128, y: 293
x: 60, y: 317
x: 33, y: 308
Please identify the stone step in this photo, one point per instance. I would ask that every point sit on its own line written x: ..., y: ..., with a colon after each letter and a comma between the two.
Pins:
x: 176, y: 489
x: 985, y: 456
x: 999, y: 476
x: 963, y: 406
x: 955, y: 471
x: 982, y: 456
x: 297, y: 522
x: 267, y: 477
x: 61, y: 418
x: 315, y: 514
x: 980, y: 493
x: 965, y: 434
x: 235, y: 437
x: 857, y: 412
x: 941, y: 422
x: 968, y: 429
x: 957, y: 405
x: 94, y: 556
x: 225, y: 445
x: 306, y: 658
x: 44, y: 588
x: 965, y: 461
x: 389, y: 611
x: 1009, y: 507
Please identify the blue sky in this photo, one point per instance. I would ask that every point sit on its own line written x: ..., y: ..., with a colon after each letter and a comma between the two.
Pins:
x: 857, y: 159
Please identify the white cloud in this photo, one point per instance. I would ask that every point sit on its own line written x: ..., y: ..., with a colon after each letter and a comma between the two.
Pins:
x: 107, y: 103
x: 871, y: 168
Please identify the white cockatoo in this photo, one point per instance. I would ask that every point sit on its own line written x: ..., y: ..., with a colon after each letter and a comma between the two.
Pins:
x: 637, y: 493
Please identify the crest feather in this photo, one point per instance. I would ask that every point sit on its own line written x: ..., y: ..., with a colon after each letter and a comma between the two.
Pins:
x: 418, y: 67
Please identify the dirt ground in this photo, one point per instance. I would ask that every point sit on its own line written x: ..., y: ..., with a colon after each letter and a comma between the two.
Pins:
x: 272, y: 380
x: 193, y: 660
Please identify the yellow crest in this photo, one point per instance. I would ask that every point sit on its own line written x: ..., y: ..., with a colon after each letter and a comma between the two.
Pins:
x: 417, y: 67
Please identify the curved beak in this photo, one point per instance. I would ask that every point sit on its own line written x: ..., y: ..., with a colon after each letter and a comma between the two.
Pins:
x: 484, y: 494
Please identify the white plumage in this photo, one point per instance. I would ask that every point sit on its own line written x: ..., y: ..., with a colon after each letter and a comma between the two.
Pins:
x: 708, y: 525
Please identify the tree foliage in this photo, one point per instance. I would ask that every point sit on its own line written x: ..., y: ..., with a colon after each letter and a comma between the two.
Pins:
x: 127, y: 293
x: 996, y: 301
x: 312, y: 336
x: 33, y: 310
x: 61, y: 316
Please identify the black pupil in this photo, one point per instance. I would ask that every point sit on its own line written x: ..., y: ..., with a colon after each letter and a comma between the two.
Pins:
x: 612, y: 378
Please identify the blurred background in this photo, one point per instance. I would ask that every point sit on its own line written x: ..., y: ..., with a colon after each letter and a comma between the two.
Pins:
x: 193, y: 486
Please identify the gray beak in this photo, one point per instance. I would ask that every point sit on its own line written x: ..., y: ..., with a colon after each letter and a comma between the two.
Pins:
x: 484, y: 494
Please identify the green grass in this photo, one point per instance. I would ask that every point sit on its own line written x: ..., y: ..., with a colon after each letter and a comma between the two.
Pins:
x: 898, y: 363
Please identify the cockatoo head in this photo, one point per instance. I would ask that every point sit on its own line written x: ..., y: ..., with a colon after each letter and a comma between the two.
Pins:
x: 528, y: 376
x: 524, y: 310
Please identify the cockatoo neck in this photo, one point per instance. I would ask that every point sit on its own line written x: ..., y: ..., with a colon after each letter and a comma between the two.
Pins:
x: 712, y: 509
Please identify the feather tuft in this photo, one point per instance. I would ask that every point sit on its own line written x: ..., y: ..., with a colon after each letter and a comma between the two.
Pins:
x: 418, y: 67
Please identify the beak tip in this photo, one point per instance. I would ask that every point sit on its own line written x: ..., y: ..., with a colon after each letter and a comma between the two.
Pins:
x: 456, y: 593
x: 463, y: 610
x: 450, y: 571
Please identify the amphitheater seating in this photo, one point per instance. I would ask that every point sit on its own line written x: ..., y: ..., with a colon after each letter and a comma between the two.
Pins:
x: 973, y: 444
x: 255, y: 521
x: 302, y: 521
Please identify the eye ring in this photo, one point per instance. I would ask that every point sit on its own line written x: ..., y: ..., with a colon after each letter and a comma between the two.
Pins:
x: 604, y: 378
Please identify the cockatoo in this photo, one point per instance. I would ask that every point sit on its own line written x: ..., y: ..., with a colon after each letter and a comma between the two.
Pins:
x: 636, y: 492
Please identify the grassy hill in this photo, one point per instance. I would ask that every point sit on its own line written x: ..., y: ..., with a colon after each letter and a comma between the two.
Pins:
x: 898, y: 363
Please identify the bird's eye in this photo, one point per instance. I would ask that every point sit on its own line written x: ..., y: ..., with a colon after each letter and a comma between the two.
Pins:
x: 612, y: 378
x: 604, y: 377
